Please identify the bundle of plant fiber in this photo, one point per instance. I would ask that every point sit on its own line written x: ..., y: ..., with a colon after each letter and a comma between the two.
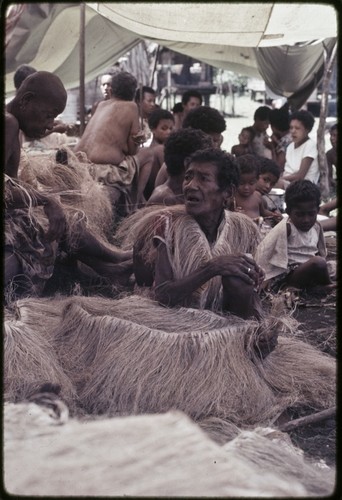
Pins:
x: 124, y: 367
x: 85, y: 201
x: 29, y: 362
x: 269, y: 449
x: 145, y: 455
x: 302, y: 372
x: 40, y: 314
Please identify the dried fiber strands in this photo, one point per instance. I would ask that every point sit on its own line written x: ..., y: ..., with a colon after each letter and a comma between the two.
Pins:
x: 85, y: 201
x: 131, y: 355
x: 39, y: 314
x: 147, y: 455
x: 191, y: 241
x: 269, y: 449
x: 29, y: 362
x: 299, y: 369
x: 122, y: 367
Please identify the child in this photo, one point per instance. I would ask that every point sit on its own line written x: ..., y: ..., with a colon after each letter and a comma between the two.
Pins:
x: 246, y: 137
x: 179, y: 145
x: 161, y: 124
x: 269, y: 174
x: 247, y: 199
x: 301, y: 154
x: 331, y: 156
x: 293, y: 253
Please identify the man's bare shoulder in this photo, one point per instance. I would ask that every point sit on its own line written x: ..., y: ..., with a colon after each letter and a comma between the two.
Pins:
x: 163, y: 195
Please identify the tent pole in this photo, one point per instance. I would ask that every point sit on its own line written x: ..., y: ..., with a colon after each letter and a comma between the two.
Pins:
x: 322, y: 160
x: 82, y: 68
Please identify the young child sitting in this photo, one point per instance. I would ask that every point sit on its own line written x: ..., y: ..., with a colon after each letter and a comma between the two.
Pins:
x: 247, y: 199
x: 246, y: 137
x: 293, y: 253
x: 269, y: 174
x: 161, y: 123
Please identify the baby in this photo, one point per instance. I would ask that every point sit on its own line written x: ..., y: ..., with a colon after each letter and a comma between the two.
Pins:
x: 294, y: 253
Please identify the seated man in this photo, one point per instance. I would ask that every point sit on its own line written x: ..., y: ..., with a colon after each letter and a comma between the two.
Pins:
x: 202, y: 253
x: 110, y: 143
x: 106, y: 90
x: 145, y: 97
x: 32, y: 235
x: 191, y: 99
x: 179, y: 145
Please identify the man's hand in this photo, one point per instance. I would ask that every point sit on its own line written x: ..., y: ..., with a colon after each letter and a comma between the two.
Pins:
x: 239, y: 265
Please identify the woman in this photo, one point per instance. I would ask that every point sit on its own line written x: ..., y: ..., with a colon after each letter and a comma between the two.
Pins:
x: 200, y: 249
x: 301, y: 154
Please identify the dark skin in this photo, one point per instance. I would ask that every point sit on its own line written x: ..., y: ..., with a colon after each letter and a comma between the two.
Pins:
x: 314, y: 271
x: 240, y: 274
x: 34, y: 115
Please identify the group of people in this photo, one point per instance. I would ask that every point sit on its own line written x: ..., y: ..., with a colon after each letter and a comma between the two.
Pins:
x: 203, y: 246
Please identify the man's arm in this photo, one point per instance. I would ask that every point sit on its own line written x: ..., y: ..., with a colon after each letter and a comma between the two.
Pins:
x: 171, y: 292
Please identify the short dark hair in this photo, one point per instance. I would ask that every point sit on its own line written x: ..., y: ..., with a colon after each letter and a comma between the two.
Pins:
x: 305, y: 117
x: 21, y: 73
x: 157, y: 115
x: 227, y: 168
x: 182, y: 143
x: 333, y: 127
x: 301, y: 191
x: 262, y: 113
x: 124, y: 85
x: 249, y: 164
x: 191, y: 93
x: 205, y: 118
x: 177, y: 108
x: 267, y: 166
x: 145, y: 90
x: 280, y: 118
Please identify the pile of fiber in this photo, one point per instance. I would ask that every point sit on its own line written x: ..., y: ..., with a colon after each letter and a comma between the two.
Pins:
x: 30, y: 361
x: 85, y: 201
x: 147, y: 455
x: 133, y: 356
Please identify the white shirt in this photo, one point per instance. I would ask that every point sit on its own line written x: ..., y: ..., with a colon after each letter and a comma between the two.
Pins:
x: 294, y: 157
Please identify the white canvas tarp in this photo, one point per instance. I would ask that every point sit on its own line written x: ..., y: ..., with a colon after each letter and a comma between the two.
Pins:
x: 282, y: 43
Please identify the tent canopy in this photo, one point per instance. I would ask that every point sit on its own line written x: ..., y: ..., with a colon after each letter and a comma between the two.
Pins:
x: 282, y: 43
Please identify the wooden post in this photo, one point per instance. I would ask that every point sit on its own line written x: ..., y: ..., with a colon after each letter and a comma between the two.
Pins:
x: 82, y: 68
x: 322, y: 161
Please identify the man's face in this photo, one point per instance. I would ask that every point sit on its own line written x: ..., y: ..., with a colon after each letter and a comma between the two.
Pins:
x: 193, y: 103
x: 106, y: 86
x: 202, y: 195
x: 148, y: 103
x: 37, y: 117
x: 163, y: 130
